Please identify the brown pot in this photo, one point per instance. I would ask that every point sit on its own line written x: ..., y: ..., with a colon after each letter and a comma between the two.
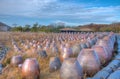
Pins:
x: 67, y: 52
x: 76, y: 49
x: 106, y: 45
x: 31, y: 69
x: 102, y: 53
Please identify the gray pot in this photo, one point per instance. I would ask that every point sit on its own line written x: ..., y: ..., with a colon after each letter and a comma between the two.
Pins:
x: 89, y: 61
x: 54, y: 64
x: 16, y: 60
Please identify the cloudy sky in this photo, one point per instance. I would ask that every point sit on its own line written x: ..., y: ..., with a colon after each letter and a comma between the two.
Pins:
x: 72, y: 12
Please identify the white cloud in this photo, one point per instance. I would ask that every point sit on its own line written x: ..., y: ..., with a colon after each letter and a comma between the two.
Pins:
x: 65, y: 22
x: 22, y: 7
x: 59, y: 10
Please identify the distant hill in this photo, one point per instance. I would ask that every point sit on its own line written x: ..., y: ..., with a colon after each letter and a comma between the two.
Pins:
x: 115, y: 27
x: 4, y: 27
x: 93, y: 27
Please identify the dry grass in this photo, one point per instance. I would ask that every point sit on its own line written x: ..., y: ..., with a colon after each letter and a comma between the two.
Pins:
x: 11, y: 72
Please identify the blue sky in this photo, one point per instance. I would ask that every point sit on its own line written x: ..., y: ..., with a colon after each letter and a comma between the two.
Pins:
x: 71, y: 12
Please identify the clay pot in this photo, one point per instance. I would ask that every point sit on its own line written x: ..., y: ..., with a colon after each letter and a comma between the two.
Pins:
x: 83, y: 45
x: 111, y: 42
x: 92, y: 42
x: 71, y: 69
x: 30, y: 69
x: 89, y: 61
x: 106, y: 45
x: 102, y: 53
x: 67, y: 52
x: 55, y: 51
x: 88, y: 44
x: 42, y: 53
x: 76, y: 49
x: 16, y: 60
x: 54, y: 64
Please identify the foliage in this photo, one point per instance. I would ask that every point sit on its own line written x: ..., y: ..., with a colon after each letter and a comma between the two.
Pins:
x: 115, y: 27
x: 37, y: 28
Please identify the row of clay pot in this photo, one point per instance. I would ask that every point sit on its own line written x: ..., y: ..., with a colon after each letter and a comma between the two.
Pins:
x: 112, y: 70
x: 16, y: 47
x: 72, y: 51
x: 69, y: 51
x: 3, y: 52
x: 115, y: 74
x: 51, y: 43
x: 89, y: 60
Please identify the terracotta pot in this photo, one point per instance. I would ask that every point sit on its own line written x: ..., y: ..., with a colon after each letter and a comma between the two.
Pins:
x: 67, y: 52
x: 71, y: 69
x: 106, y: 45
x: 55, y: 51
x: 76, y: 49
x: 31, y: 69
x: 89, y: 61
x: 111, y: 42
x: 16, y: 60
x: 102, y: 53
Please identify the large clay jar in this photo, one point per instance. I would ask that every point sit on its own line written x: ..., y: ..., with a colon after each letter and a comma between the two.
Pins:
x: 111, y: 42
x: 55, y: 51
x: 30, y: 69
x: 76, y: 49
x: 16, y: 60
x: 106, y: 45
x: 67, y: 52
x: 89, y: 61
x: 71, y: 69
x: 102, y: 53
